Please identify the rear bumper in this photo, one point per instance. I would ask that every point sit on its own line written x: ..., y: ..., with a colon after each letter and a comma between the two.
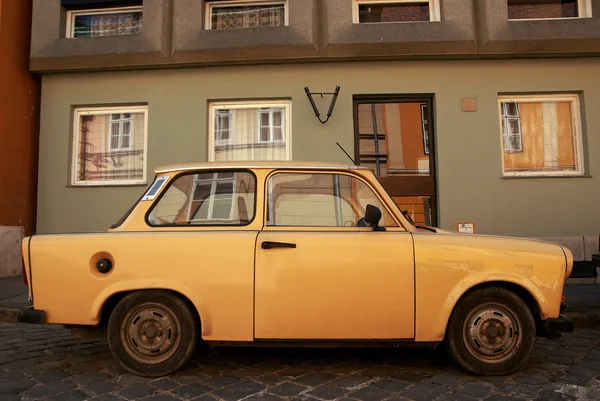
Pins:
x: 14, y: 315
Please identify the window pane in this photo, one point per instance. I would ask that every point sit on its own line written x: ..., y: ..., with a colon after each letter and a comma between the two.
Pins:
x: 217, y: 200
x: 393, y: 12
x: 392, y: 141
x: 124, y: 23
x: 320, y: 200
x: 250, y: 135
x: 125, y: 142
x: 530, y: 9
x: 548, y: 139
x: 277, y: 134
x: 107, y: 151
x: 247, y: 16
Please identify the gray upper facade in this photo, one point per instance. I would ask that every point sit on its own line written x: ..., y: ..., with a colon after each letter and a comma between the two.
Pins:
x: 177, y: 33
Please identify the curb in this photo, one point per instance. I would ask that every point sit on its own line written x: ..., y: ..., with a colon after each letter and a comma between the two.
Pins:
x: 584, y: 319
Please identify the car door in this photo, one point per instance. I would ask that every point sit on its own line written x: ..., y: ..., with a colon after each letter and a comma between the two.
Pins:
x: 318, y: 274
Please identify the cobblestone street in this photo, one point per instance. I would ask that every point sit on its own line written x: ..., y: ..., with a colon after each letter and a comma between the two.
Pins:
x: 38, y: 362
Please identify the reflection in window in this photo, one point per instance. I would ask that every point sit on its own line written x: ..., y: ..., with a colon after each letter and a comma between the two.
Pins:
x: 109, y: 145
x: 245, y: 131
x: 378, y: 11
x: 394, y: 138
x: 211, y: 198
x: 251, y: 14
x: 545, y: 9
x: 541, y: 135
x: 320, y: 200
x: 104, y: 22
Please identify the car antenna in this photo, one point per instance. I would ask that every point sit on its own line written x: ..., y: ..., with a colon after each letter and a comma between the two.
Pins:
x: 353, y: 162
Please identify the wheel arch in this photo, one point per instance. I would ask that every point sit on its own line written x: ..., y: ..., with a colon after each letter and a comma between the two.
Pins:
x: 522, y: 292
x: 111, y: 302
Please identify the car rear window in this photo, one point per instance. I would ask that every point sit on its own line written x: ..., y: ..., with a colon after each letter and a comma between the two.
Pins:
x: 206, y: 198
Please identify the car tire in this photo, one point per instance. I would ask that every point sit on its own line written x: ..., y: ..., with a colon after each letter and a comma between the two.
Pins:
x: 491, y: 332
x: 153, y: 333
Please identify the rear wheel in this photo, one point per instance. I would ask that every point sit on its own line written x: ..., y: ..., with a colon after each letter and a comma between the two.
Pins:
x: 491, y: 332
x: 153, y: 333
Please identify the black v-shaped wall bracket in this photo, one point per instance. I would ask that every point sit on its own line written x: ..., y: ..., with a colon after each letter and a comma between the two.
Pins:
x: 331, y: 105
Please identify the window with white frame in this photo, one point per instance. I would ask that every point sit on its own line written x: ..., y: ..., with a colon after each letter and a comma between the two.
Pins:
x: 109, y: 146
x: 548, y: 9
x: 256, y: 130
x: 236, y: 14
x: 223, y: 122
x: 378, y: 11
x: 121, y: 126
x: 104, y: 22
x: 541, y: 135
x: 511, y: 127
x: 271, y: 124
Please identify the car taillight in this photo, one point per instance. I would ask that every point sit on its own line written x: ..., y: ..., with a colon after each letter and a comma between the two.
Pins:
x: 23, y: 269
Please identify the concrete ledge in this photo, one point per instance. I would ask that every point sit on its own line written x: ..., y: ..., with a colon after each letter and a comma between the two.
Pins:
x: 10, y: 251
x: 9, y: 315
x: 584, y: 319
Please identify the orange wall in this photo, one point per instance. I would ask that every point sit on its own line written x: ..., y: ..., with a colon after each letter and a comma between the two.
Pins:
x: 19, y: 109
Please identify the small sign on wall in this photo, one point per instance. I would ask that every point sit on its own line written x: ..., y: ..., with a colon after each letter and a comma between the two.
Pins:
x: 468, y: 228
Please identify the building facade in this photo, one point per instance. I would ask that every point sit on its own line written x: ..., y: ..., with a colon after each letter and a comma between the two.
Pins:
x: 19, y: 109
x: 470, y: 111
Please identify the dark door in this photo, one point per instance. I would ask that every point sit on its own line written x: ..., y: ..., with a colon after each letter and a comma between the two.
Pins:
x: 394, y: 137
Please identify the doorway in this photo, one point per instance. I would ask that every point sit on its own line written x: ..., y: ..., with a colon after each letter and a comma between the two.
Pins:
x: 394, y: 137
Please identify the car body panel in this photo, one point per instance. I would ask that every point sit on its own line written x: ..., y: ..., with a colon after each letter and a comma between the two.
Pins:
x: 211, y: 269
x: 335, y: 285
x: 448, y: 265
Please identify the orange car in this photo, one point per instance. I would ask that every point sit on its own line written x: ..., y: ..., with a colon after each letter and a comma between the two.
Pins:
x: 291, y: 253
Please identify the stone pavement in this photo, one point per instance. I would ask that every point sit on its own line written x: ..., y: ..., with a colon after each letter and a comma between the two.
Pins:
x: 45, y: 362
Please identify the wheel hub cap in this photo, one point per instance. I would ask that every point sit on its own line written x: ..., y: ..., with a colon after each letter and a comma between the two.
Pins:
x: 150, y: 333
x: 492, y: 333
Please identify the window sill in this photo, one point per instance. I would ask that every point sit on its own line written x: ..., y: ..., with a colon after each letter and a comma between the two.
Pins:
x: 140, y: 184
x: 519, y: 177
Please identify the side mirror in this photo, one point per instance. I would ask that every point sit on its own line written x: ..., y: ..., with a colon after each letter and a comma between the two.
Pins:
x: 373, y: 216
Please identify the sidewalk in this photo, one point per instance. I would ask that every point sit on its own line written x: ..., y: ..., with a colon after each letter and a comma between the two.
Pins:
x: 583, y: 300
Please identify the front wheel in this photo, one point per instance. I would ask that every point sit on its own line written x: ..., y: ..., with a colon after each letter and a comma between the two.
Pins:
x: 152, y: 333
x: 491, y: 332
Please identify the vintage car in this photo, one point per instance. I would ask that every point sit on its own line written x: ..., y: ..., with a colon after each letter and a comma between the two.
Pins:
x: 288, y: 253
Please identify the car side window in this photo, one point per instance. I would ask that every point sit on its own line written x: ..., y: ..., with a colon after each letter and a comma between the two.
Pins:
x: 207, y: 198
x: 320, y: 200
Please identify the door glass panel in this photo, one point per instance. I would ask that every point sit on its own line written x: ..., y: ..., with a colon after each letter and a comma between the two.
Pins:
x: 394, y: 138
x: 207, y: 198
x: 320, y: 200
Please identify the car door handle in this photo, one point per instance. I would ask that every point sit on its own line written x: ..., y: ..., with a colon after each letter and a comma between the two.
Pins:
x: 271, y: 244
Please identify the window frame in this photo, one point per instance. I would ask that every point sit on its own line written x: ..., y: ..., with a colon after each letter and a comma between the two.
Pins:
x: 270, y: 111
x: 584, y: 9
x: 434, y: 10
x: 209, y: 5
x: 120, y: 135
x: 72, y: 14
x: 576, y: 117
x: 268, y: 204
x: 221, y: 141
x: 188, y: 226
x: 251, y: 104
x: 505, y: 135
x: 79, y: 112
x: 214, y: 183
